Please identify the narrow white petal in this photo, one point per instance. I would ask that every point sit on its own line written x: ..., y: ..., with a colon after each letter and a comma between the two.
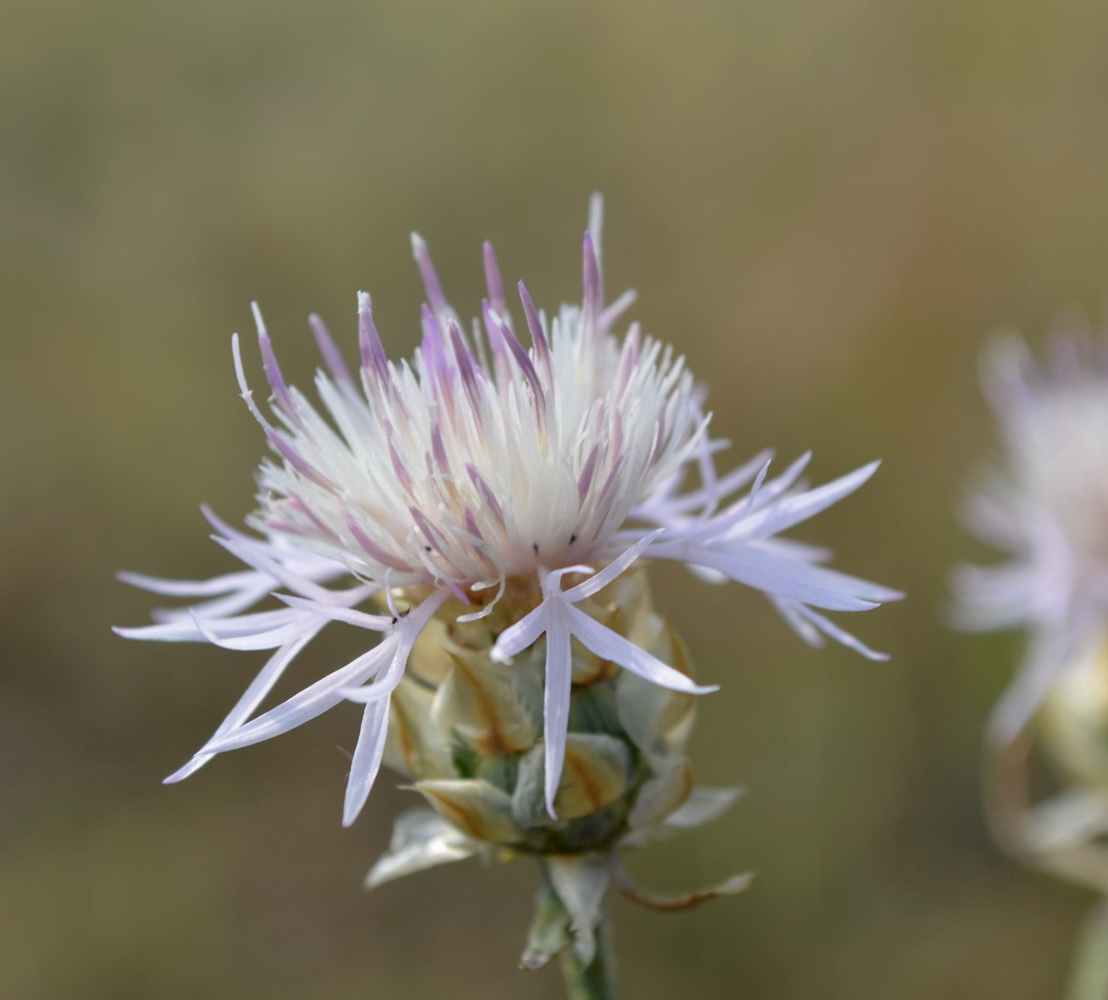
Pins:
x: 829, y: 628
x: 788, y: 578
x: 731, y: 524
x: 598, y: 581
x: 312, y: 701
x: 218, y: 607
x: 856, y: 586
x: 1054, y: 647
x: 790, y: 511
x: 559, y: 676
x: 765, y: 491
x: 270, y: 638
x: 521, y: 635
x: 378, y: 623
x: 250, y: 700
x: 404, y: 634
x: 804, y: 628
x: 612, y: 646
x: 302, y: 562
x: 256, y: 554
x: 689, y: 502
x: 224, y: 584
x: 367, y: 759
x: 186, y: 629
x: 178, y: 631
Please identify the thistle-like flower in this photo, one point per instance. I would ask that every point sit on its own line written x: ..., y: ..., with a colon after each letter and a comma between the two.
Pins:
x: 1046, y: 504
x: 506, y: 489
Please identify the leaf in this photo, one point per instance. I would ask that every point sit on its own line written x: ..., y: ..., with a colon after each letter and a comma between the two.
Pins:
x: 581, y: 882
x: 549, y: 932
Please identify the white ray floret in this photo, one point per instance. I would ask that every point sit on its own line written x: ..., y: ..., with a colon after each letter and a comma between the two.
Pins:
x: 479, y: 462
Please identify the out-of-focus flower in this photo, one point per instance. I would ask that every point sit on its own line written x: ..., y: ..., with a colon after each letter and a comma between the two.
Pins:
x: 1047, y: 504
x: 511, y: 487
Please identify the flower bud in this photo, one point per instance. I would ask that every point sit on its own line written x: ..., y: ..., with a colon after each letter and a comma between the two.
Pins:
x: 468, y: 730
x: 1074, y: 719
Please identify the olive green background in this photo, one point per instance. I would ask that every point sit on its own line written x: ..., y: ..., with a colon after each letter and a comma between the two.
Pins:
x: 826, y: 204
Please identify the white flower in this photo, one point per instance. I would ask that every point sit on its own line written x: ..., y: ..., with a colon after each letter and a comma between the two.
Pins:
x: 486, y: 470
x: 1046, y: 504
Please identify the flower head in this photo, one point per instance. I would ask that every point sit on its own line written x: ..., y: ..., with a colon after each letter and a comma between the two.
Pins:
x: 1046, y: 504
x: 506, y: 479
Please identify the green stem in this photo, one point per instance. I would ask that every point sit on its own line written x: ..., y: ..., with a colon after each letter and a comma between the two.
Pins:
x: 596, y: 981
x: 1089, y: 980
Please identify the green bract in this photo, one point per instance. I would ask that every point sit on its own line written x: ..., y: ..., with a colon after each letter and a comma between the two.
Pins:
x: 467, y: 731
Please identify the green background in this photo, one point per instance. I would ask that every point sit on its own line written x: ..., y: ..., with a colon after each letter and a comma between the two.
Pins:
x: 826, y: 204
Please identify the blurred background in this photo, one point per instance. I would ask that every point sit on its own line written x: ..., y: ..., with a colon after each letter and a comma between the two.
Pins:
x: 826, y: 204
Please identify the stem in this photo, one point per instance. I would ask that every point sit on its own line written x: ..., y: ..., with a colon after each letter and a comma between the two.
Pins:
x: 597, y: 981
x: 1089, y: 979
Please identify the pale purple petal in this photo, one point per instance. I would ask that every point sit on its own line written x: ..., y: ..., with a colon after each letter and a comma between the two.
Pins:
x: 431, y: 282
x: 494, y: 283
x: 272, y: 369
x: 331, y: 355
x: 374, y: 359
